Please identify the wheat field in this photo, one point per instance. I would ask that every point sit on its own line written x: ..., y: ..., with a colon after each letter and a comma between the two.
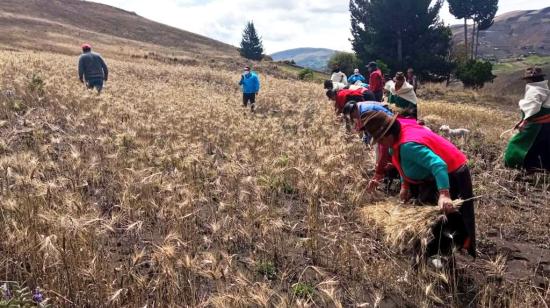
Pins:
x: 165, y: 192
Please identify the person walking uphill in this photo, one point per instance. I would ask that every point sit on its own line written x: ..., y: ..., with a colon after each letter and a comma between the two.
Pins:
x: 376, y: 81
x: 530, y: 148
x: 92, y: 69
x: 433, y: 171
x: 250, y: 84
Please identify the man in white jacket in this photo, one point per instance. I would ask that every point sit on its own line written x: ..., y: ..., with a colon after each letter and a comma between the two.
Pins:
x: 339, y: 77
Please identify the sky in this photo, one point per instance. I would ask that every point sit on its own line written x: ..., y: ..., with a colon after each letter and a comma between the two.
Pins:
x: 282, y: 24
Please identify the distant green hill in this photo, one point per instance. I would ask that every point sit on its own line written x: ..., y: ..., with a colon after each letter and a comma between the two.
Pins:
x: 314, y: 58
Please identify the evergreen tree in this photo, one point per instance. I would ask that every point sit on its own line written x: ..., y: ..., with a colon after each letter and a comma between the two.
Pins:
x: 251, y: 44
x: 462, y: 9
x: 484, y: 16
x: 399, y: 33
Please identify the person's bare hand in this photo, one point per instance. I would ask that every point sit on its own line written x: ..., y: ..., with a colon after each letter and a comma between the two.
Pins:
x: 445, y: 203
x: 405, y: 194
x: 374, y: 183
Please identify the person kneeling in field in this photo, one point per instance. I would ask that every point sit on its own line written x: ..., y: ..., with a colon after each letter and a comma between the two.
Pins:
x: 336, y: 86
x: 357, y: 113
x: 530, y: 148
x: 92, y: 69
x: 250, y: 85
x: 432, y: 171
x: 402, y: 95
x: 341, y: 97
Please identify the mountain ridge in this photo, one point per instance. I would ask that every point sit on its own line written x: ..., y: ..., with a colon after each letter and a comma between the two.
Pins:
x: 310, y: 57
x: 513, y: 34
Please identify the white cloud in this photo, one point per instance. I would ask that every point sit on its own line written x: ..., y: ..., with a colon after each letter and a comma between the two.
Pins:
x: 283, y: 24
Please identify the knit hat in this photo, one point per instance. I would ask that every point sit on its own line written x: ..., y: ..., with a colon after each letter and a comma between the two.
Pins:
x: 533, y: 72
x: 377, y: 124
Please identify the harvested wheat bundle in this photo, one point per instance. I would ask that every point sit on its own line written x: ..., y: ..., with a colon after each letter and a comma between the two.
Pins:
x: 404, y: 225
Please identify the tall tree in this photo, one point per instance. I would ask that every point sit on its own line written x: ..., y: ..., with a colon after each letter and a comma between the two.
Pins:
x: 399, y: 33
x: 462, y: 9
x: 251, y: 44
x: 484, y: 16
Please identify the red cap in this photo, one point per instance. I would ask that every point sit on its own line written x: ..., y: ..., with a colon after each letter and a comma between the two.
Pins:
x: 86, y: 46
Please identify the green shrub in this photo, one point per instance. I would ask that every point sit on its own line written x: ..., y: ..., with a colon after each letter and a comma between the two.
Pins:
x: 303, y: 290
x: 346, y: 61
x: 474, y: 74
x: 36, y: 84
x: 383, y: 67
x: 305, y: 74
x: 267, y: 269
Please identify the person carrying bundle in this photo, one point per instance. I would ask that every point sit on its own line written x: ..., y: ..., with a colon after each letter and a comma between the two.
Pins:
x: 432, y: 171
x: 530, y: 148
x: 402, y: 95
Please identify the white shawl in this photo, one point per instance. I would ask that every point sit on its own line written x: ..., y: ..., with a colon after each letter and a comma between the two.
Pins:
x: 537, y: 95
x: 339, y: 77
x: 406, y: 92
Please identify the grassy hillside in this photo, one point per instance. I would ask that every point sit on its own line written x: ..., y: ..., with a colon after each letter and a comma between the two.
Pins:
x: 505, y: 67
x: 64, y: 23
x: 513, y: 34
x: 314, y: 58
x: 163, y: 192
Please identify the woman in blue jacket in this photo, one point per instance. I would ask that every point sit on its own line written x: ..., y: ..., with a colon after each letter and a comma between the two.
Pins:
x: 250, y: 84
x: 356, y: 77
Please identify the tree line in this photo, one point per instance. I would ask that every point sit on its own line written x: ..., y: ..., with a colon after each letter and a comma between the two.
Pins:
x: 401, y: 34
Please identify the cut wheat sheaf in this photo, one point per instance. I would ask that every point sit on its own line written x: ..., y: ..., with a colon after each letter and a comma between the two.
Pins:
x: 404, y: 225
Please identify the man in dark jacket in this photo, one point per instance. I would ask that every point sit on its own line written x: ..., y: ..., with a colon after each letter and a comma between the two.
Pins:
x: 92, y: 69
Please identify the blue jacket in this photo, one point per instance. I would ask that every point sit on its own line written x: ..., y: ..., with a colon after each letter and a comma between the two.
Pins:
x: 354, y: 78
x: 250, y: 83
x: 366, y: 107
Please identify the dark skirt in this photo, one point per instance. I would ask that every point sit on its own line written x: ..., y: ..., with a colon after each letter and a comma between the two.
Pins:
x: 459, y: 230
x: 538, y: 156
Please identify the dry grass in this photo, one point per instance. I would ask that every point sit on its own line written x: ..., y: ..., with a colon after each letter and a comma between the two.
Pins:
x: 163, y: 191
x: 404, y: 225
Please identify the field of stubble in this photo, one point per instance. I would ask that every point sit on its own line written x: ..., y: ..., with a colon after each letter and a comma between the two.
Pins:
x: 165, y: 192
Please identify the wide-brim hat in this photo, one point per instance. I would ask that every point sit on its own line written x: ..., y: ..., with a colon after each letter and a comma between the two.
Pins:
x: 533, y: 72
x: 377, y: 124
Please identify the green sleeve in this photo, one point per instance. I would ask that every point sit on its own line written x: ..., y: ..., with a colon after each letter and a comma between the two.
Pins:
x: 400, y: 102
x: 424, y: 162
